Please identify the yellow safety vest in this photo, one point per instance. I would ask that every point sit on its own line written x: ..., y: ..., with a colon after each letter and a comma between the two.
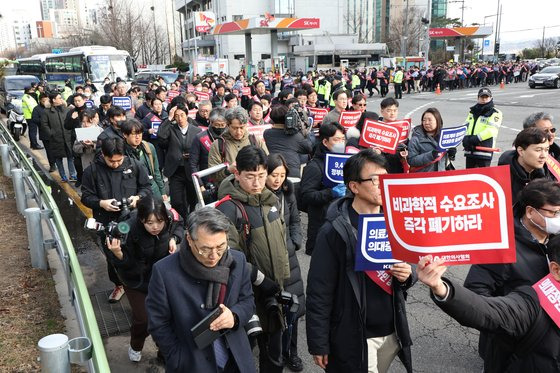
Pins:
x: 486, y: 128
x: 28, y: 103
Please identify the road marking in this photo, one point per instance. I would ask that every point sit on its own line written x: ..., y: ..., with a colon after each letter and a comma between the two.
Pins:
x: 511, y: 129
x: 408, y: 115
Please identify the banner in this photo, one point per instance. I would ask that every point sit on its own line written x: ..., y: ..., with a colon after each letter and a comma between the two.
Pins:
x: 334, y: 164
x: 404, y: 125
x: 451, y: 137
x: 380, y: 135
x: 553, y: 166
x: 204, y: 21
x: 349, y: 118
x: 171, y: 95
x: 202, y: 96
x: 258, y: 130
x: 192, y: 113
x: 463, y: 217
x: 89, y: 104
x: 318, y: 114
x: 123, y: 102
x: 373, y: 250
x: 548, y: 291
x: 246, y: 91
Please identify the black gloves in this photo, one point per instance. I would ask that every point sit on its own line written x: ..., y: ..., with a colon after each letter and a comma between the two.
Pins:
x: 269, y: 287
x: 451, y: 152
x: 435, y: 154
x: 470, y: 141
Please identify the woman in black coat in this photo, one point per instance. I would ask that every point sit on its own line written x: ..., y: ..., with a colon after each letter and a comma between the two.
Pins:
x: 276, y: 181
x: 155, y: 232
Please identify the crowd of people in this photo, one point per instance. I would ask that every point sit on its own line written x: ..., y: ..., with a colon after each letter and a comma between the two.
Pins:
x: 175, y: 265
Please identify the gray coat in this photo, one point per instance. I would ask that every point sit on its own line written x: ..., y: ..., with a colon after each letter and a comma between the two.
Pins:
x: 52, y: 125
x: 420, y: 149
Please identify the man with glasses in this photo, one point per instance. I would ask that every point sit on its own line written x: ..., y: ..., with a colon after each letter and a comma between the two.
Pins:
x: 543, y: 121
x: 536, y: 218
x: 340, y: 100
x: 258, y: 230
x: 528, y: 160
x: 359, y: 103
x: 186, y: 287
x: 203, y: 114
x: 355, y: 323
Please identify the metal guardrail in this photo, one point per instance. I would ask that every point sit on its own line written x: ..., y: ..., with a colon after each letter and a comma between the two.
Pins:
x: 77, y: 288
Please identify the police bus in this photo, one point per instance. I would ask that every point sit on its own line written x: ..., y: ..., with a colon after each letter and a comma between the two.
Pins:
x: 34, y: 65
x: 89, y: 62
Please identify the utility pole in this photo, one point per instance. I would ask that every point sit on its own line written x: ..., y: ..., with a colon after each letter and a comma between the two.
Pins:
x: 462, y: 53
x: 155, y: 34
x: 496, y: 50
x: 427, y: 25
x: 404, y: 38
x: 542, y: 43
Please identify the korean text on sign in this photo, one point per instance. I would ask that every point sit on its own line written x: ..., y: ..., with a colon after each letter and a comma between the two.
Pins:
x: 373, y: 250
x: 333, y: 172
x: 462, y: 216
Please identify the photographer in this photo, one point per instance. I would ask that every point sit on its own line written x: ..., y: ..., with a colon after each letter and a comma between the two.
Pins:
x: 108, y: 181
x: 154, y: 233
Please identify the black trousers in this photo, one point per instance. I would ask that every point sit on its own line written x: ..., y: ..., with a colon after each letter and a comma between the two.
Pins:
x: 33, y: 133
x: 139, y: 327
x: 270, y: 352
x: 48, y: 151
x: 398, y: 90
x: 181, y: 192
x: 472, y: 162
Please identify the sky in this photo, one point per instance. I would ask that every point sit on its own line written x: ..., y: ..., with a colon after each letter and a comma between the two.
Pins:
x: 527, y: 15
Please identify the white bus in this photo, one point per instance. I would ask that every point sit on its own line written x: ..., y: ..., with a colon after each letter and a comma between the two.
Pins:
x: 91, y: 62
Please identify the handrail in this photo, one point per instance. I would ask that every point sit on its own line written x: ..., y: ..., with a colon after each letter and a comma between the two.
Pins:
x: 74, y: 276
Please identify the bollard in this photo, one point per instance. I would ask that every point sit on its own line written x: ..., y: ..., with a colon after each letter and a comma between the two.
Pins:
x: 54, y: 354
x: 19, y: 190
x: 35, y: 238
x: 6, y: 161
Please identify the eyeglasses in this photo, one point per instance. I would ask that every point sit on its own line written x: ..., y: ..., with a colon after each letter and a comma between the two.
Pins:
x: 550, y: 130
x: 556, y: 213
x: 219, y: 250
x: 373, y: 178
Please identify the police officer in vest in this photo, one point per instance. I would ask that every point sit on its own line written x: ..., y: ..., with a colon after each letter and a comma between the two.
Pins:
x: 28, y: 103
x: 483, y: 122
x: 323, y: 88
x: 397, y: 82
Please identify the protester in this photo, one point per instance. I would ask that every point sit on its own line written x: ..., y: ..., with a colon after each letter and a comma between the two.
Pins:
x: 115, y: 115
x: 354, y: 323
x: 203, y: 113
x: 396, y: 163
x: 204, y: 272
x: 86, y: 148
x: 44, y: 103
x: 340, y: 99
x: 423, y: 152
x: 204, y: 140
x: 543, y: 121
x: 154, y: 233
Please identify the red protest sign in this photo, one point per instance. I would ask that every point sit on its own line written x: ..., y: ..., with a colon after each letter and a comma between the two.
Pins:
x: 553, y: 166
x: 380, y: 135
x: 548, y: 292
x: 349, y: 118
x: 463, y: 217
x: 192, y: 113
x: 202, y: 96
x: 258, y: 130
x: 246, y: 91
x: 318, y: 114
x: 404, y: 126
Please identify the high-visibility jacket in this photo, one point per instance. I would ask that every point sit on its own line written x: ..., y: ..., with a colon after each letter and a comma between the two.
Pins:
x: 323, y: 90
x: 66, y: 93
x: 355, y: 81
x: 28, y: 103
x: 398, y: 78
x: 486, y: 128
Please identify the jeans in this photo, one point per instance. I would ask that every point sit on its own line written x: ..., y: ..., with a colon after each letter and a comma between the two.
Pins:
x: 71, y: 168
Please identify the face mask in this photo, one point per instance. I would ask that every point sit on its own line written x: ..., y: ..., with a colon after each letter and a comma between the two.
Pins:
x: 339, y: 147
x: 87, y: 94
x: 218, y: 131
x: 551, y: 225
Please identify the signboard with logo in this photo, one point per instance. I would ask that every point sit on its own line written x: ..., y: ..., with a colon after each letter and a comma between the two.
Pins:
x: 123, y: 102
x: 384, y: 136
x: 349, y: 118
x: 462, y: 217
x: 373, y: 250
x: 318, y: 114
x: 204, y: 21
x: 258, y: 130
x: 334, y: 164
x: 451, y: 137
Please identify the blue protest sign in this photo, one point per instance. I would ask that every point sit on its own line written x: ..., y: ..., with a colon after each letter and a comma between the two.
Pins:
x: 155, y: 125
x: 373, y: 251
x: 451, y: 137
x: 89, y: 104
x: 334, y: 163
x: 124, y: 102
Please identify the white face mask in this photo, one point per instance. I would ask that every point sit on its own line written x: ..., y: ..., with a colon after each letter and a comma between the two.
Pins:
x: 551, y: 225
x: 339, y: 147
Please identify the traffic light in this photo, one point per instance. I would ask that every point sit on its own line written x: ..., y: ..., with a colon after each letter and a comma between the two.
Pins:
x: 497, y: 47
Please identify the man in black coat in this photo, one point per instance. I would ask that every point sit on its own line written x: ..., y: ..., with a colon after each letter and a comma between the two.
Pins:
x: 535, y: 220
x: 115, y: 114
x: 526, y: 338
x: 528, y: 160
x: 36, y: 115
x: 356, y: 323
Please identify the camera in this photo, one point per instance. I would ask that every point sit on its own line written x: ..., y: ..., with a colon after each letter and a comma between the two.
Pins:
x: 124, y: 205
x: 283, y: 299
x: 118, y: 230
x: 253, y: 326
x: 210, y: 193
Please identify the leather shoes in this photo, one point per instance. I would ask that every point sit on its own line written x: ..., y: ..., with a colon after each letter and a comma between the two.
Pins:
x: 52, y: 168
x: 37, y: 147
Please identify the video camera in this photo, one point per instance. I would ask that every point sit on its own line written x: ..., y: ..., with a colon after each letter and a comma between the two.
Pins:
x: 283, y: 299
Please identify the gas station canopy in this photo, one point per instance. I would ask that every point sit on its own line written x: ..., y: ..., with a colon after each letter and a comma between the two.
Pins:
x: 454, y: 32
x: 264, y: 25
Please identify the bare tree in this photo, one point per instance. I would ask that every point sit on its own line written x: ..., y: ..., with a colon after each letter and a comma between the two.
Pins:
x: 548, y: 47
x: 415, y: 31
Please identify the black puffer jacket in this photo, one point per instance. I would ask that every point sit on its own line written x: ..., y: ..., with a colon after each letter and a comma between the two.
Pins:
x: 294, y: 239
x: 336, y: 299
x: 512, y: 318
x: 142, y: 250
x: 520, y: 177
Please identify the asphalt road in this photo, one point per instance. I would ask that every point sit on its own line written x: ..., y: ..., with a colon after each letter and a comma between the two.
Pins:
x: 440, y: 343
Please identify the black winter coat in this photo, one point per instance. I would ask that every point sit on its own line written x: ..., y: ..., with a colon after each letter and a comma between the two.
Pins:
x: 147, y: 122
x: 108, y: 133
x: 52, y: 125
x: 315, y: 194
x: 520, y: 177
x: 36, y: 118
x: 336, y: 299
x: 101, y: 182
x: 290, y: 146
x: 171, y: 139
x: 294, y: 239
x: 200, y: 148
x: 511, y: 318
x: 142, y: 250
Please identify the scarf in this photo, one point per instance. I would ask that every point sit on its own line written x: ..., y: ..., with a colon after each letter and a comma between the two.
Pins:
x: 482, y: 109
x: 217, y: 276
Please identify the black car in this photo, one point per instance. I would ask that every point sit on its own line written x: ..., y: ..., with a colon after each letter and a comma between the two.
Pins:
x: 547, y: 77
x: 11, y: 89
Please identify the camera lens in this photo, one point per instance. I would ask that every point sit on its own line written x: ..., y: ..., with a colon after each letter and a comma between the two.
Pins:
x: 253, y: 326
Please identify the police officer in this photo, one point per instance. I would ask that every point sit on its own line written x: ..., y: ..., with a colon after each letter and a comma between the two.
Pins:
x: 323, y: 88
x: 28, y: 103
x: 397, y: 81
x: 483, y: 122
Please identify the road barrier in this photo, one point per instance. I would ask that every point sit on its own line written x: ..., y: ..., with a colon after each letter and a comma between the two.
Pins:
x: 28, y: 184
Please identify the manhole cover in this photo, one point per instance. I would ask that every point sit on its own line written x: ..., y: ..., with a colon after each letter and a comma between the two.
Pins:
x: 112, y: 318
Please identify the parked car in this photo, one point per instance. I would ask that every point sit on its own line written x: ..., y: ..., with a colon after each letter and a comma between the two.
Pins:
x: 547, y: 77
x: 11, y: 89
x: 144, y: 77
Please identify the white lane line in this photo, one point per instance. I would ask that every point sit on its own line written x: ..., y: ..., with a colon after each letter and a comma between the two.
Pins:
x: 511, y: 129
x: 409, y: 114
